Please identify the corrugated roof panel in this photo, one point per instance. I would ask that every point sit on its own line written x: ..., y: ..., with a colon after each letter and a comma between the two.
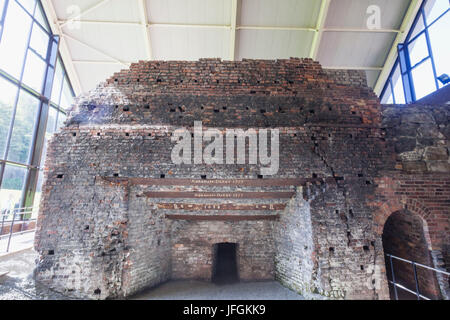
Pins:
x: 273, y: 44
x: 173, y: 43
x: 353, y: 13
x: 189, y: 11
x: 354, y: 49
x: 283, y: 13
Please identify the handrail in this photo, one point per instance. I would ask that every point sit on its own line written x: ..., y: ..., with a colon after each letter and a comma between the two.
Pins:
x: 414, y: 265
x: 419, y: 264
x: 21, y: 211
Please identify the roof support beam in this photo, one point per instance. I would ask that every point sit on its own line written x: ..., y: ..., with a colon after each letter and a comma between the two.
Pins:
x: 224, y: 26
x: 353, y: 68
x: 107, y: 22
x: 63, y: 47
x: 408, y: 20
x: 144, y: 23
x: 324, y: 5
x: 233, y: 30
x: 78, y: 16
x: 97, y: 62
x: 275, y: 28
x: 361, y: 30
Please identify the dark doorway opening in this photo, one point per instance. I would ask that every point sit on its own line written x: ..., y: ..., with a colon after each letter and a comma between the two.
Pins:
x: 225, y: 263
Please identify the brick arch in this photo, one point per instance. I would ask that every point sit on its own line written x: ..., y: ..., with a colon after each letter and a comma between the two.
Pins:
x: 398, y: 204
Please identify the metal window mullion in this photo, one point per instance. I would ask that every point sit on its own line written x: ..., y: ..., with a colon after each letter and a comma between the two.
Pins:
x: 30, y: 14
x: 11, y: 124
x: 59, y: 99
x: 416, y: 20
x: 430, y: 51
x: 410, y: 40
x: 35, y: 20
x: 435, y: 20
x: 2, y: 18
x: 392, y: 90
x: 408, y: 85
x: 41, y: 123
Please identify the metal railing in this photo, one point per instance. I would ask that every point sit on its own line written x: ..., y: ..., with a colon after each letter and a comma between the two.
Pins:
x: 416, y: 292
x: 18, y: 217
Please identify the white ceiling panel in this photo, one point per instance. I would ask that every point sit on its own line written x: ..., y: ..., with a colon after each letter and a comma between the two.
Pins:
x: 123, y: 42
x: 66, y: 9
x: 353, y: 13
x: 281, y: 13
x: 267, y: 44
x: 170, y: 43
x: 81, y: 52
x: 354, y: 49
x: 189, y: 11
x: 93, y: 74
x: 116, y: 10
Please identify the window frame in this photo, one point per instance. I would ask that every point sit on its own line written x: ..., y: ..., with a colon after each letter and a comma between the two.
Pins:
x: 405, y: 66
x: 33, y: 165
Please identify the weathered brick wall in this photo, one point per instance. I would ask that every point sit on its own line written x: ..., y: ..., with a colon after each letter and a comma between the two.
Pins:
x: 403, y: 236
x: 295, y: 260
x: 105, y: 238
x: 418, y: 141
x: 192, y: 254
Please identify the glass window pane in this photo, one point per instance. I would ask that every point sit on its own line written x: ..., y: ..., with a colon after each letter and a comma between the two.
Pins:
x: 387, y: 96
x: 27, y: 108
x: 418, y: 50
x: 434, y: 8
x: 34, y: 72
x: 28, y: 5
x: 2, y: 5
x: 440, y: 44
x: 66, y: 96
x: 39, y: 16
x: 57, y: 83
x: 8, y: 92
x: 61, y: 119
x: 14, y: 40
x: 11, y: 189
x: 39, y: 40
x: 397, y: 82
x: 418, y: 27
x: 423, y: 78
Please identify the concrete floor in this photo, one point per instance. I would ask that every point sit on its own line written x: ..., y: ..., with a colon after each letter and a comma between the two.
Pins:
x: 16, y: 278
x: 198, y: 290
x: 18, y: 284
x: 18, y: 242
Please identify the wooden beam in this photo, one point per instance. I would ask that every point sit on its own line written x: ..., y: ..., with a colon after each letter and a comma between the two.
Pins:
x: 221, y: 217
x: 220, y: 206
x: 407, y: 22
x: 268, y: 182
x: 219, y: 195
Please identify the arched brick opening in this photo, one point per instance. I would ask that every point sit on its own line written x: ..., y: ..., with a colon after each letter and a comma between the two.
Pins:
x: 405, y: 235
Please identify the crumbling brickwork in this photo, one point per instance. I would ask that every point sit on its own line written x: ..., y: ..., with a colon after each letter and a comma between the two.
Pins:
x: 111, y: 222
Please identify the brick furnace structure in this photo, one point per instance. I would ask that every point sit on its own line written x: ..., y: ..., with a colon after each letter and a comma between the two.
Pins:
x: 117, y: 215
